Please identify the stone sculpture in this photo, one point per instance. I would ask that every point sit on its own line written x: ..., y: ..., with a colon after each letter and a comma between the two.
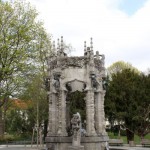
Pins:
x: 76, y: 127
x: 76, y: 130
x: 57, y: 82
x: 47, y: 84
x: 94, y: 82
x: 67, y: 75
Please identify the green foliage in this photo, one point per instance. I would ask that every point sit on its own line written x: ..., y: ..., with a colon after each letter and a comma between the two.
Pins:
x: 37, y: 110
x: 14, y: 137
x: 77, y: 104
x: 128, y: 101
x: 119, y: 66
x: 35, y: 91
x: 6, y: 138
x: 23, y: 42
x: 24, y: 48
x: 16, y: 121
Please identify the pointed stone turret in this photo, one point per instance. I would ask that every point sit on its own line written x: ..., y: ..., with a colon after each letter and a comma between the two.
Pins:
x: 85, y: 50
x: 62, y: 45
x: 53, y: 46
x: 91, y: 44
x: 60, y: 48
x: 91, y: 47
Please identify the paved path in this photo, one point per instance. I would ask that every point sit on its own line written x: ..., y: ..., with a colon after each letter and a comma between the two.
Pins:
x: 19, y: 147
x: 128, y: 148
x: 28, y: 147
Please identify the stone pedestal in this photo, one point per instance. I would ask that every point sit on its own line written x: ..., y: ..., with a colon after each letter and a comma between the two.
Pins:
x: 131, y: 143
x: 75, y: 147
x: 63, y: 143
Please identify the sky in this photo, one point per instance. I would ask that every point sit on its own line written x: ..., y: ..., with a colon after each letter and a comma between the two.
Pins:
x: 120, y: 28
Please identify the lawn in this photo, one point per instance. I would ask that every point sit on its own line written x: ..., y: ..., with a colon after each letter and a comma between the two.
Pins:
x: 136, y: 138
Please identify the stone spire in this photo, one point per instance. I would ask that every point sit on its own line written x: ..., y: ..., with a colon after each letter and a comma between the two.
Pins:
x: 62, y: 44
x: 53, y: 46
x: 60, y: 48
x: 85, y: 50
x: 58, y: 45
x: 91, y: 48
x: 91, y: 44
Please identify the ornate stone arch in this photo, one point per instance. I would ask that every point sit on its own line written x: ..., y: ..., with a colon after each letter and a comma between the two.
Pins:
x: 68, y: 74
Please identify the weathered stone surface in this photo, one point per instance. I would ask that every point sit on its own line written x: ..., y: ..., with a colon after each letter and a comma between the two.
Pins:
x: 70, y: 74
x: 87, y: 139
x: 76, y: 129
x: 75, y: 147
x: 95, y: 143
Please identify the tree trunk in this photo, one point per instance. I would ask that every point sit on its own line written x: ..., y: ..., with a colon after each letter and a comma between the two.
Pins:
x: 1, y: 124
x: 130, y: 135
x: 45, y: 128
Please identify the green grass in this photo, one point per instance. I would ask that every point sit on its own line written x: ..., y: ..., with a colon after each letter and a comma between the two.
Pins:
x: 137, y: 139
x: 147, y: 136
x: 15, y: 137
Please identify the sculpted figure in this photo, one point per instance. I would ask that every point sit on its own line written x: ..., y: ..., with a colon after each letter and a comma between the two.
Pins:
x: 94, y: 82
x: 76, y: 127
x: 75, y: 122
x: 104, y: 83
x: 97, y: 55
x: 47, y: 83
x: 103, y: 60
x: 57, y: 82
x: 68, y: 87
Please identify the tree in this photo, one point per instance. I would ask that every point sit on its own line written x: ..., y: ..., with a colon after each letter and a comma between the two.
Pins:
x: 16, y: 118
x: 35, y: 92
x: 119, y: 66
x: 111, y: 70
x: 19, y: 40
x: 23, y: 40
x: 143, y: 110
x: 127, y: 100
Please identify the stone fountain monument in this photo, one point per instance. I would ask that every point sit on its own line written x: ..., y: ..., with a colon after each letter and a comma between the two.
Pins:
x: 69, y: 74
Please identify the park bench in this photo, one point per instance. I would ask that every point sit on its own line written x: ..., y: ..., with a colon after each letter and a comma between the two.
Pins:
x: 115, y: 142
x: 145, y: 142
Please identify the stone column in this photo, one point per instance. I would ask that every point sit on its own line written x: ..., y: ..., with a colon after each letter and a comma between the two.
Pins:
x: 100, y: 115
x: 103, y: 113
x: 59, y: 115
x: 53, y: 125
x: 62, y: 114
x: 90, y: 121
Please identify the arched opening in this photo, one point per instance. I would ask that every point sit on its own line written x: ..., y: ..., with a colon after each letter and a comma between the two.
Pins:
x: 75, y: 103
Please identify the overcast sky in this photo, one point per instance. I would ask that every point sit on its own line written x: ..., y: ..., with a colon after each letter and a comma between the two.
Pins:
x: 120, y: 28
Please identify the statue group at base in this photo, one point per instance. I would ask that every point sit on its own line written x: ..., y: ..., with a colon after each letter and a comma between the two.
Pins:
x: 76, y: 130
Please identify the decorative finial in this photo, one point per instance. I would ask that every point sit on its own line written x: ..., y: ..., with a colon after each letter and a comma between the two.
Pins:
x: 62, y: 44
x: 91, y: 44
x: 53, y: 45
x: 84, y: 46
x: 58, y: 45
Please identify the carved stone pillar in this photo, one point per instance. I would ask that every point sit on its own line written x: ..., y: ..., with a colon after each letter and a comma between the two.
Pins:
x: 98, y: 113
x: 103, y: 113
x: 99, y: 110
x: 90, y: 121
x: 62, y: 114
x: 52, y: 128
